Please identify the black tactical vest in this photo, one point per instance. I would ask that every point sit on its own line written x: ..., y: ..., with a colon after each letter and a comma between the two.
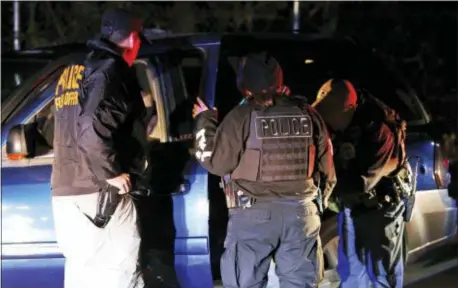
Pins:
x: 278, y: 146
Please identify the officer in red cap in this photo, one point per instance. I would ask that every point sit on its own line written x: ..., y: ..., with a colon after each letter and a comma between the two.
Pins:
x: 369, y: 155
x: 268, y: 151
x: 99, y: 142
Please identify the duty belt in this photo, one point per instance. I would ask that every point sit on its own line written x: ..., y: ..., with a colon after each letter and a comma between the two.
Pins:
x: 236, y: 199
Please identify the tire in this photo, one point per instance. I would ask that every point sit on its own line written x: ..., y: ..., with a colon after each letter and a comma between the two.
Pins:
x: 329, y: 241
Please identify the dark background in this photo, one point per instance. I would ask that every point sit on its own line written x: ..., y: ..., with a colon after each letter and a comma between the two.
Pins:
x: 420, y: 39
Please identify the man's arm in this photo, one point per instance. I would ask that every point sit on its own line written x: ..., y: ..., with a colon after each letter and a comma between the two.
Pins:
x: 374, y: 159
x: 371, y: 161
x: 218, y: 149
x: 324, y: 155
x: 104, y: 110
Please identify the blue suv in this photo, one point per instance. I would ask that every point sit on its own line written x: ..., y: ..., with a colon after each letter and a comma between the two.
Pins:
x: 188, y: 213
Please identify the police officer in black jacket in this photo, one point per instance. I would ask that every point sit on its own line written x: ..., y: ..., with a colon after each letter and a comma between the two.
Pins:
x: 269, y: 150
x: 375, y: 182
x: 99, y: 142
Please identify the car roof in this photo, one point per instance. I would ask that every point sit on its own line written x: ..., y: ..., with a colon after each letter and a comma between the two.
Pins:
x: 161, y: 39
x: 205, y: 38
x: 44, y: 53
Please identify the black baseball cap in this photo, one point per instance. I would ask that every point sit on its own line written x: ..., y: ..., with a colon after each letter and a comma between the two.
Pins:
x: 259, y: 73
x: 120, y: 23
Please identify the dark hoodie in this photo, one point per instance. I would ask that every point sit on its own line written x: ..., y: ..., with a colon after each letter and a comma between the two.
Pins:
x: 105, y: 135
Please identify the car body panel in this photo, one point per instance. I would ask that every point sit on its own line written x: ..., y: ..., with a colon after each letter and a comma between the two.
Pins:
x: 435, y: 213
x: 32, y: 273
x: 26, y: 205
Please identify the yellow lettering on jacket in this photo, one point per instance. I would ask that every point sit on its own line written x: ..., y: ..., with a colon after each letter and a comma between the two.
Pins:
x: 67, y: 89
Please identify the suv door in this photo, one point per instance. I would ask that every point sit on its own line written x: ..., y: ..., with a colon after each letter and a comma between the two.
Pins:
x: 28, y: 241
x: 175, y: 170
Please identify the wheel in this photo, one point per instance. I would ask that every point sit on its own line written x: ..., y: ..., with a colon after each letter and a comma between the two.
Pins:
x: 330, y: 244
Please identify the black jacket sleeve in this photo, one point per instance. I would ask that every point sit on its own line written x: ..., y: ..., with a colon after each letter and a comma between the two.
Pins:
x: 324, y: 154
x: 104, y: 110
x: 218, y: 148
x: 372, y: 161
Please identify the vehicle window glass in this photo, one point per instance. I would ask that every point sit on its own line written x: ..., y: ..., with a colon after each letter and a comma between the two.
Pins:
x: 155, y: 128
x: 42, y: 91
x: 141, y: 69
x: 185, y: 69
x: 306, y: 66
x: 45, y: 123
x: 44, y: 120
x: 16, y: 72
x: 45, y: 117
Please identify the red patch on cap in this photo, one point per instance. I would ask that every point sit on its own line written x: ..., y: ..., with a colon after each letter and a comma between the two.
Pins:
x: 352, y: 97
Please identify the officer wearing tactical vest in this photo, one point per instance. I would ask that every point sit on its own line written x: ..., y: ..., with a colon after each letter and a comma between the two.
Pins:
x: 375, y: 180
x: 271, y: 148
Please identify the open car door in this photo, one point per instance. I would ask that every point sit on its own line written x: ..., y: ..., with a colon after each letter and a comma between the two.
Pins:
x: 179, y: 210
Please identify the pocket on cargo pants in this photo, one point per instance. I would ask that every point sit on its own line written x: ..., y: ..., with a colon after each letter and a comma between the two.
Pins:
x: 248, y: 246
x: 296, y: 257
x: 229, y: 263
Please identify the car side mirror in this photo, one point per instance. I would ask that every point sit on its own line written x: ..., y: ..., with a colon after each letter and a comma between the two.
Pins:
x: 20, y: 143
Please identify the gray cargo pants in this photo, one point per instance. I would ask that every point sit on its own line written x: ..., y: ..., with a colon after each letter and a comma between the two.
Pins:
x: 286, y: 232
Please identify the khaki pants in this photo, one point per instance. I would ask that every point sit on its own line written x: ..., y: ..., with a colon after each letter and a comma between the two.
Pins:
x: 320, y: 256
x: 97, y: 257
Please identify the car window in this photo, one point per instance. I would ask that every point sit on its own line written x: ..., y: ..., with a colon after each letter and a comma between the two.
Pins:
x: 14, y: 73
x: 44, y: 119
x: 184, y: 69
x: 42, y: 90
x: 45, y: 123
x: 152, y: 98
x: 141, y: 70
x: 45, y: 116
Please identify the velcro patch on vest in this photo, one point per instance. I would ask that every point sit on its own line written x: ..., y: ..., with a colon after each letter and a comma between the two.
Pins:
x: 276, y: 127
